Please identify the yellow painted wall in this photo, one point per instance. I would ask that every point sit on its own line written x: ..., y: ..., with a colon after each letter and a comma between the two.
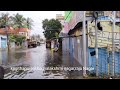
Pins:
x: 77, y: 33
x: 103, y: 36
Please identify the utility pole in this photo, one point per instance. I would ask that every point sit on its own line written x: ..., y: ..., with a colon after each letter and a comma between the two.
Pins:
x: 84, y: 43
x: 95, y: 15
x: 96, y: 46
x: 113, y: 45
x: 8, y: 46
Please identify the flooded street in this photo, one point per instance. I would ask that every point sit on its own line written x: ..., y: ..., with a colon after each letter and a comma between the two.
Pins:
x: 38, y: 59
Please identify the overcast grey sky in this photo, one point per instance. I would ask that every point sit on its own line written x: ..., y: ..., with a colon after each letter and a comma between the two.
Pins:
x: 37, y: 17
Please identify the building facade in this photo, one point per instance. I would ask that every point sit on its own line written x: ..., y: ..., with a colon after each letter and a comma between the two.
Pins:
x: 24, y: 32
x: 3, y: 42
x: 20, y: 31
x: 75, y: 40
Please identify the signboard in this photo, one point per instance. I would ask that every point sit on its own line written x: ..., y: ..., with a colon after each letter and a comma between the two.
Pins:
x: 104, y: 18
x: 107, y: 18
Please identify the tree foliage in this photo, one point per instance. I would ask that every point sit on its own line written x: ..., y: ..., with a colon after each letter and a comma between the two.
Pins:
x: 16, y: 21
x: 5, y: 20
x: 17, y: 38
x: 51, y: 28
x: 29, y: 23
x: 45, y: 24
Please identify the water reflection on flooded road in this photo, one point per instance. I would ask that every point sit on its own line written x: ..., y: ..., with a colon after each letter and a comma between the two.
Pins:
x: 37, y: 57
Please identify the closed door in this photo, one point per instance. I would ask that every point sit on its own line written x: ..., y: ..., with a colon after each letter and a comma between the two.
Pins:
x: 3, y: 43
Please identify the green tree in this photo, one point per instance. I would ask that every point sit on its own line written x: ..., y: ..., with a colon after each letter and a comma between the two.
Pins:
x: 5, y: 20
x: 51, y: 28
x: 17, y: 38
x: 29, y: 23
x: 12, y: 38
x: 20, y: 39
x: 45, y: 24
x: 19, y: 21
x: 16, y: 21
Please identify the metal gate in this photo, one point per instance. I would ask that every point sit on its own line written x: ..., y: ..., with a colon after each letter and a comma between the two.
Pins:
x: 105, y: 57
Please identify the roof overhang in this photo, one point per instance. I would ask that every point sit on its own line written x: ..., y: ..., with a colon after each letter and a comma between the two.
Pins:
x: 77, y: 26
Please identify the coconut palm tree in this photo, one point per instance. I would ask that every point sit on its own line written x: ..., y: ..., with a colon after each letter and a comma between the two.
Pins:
x: 5, y: 20
x: 29, y: 23
x: 19, y: 21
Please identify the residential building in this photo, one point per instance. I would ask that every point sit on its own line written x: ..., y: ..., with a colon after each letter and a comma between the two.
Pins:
x: 24, y: 32
x: 20, y: 31
x: 60, y: 17
x: 3, y: 41
x: 74, y: 43
x: 3, y: 36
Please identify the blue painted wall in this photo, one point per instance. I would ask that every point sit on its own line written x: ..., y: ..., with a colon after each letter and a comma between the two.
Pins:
x: 3, y: 41
x: 103, y: 61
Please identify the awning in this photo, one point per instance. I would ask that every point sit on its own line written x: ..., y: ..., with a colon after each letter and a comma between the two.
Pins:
x: 78, y: 25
